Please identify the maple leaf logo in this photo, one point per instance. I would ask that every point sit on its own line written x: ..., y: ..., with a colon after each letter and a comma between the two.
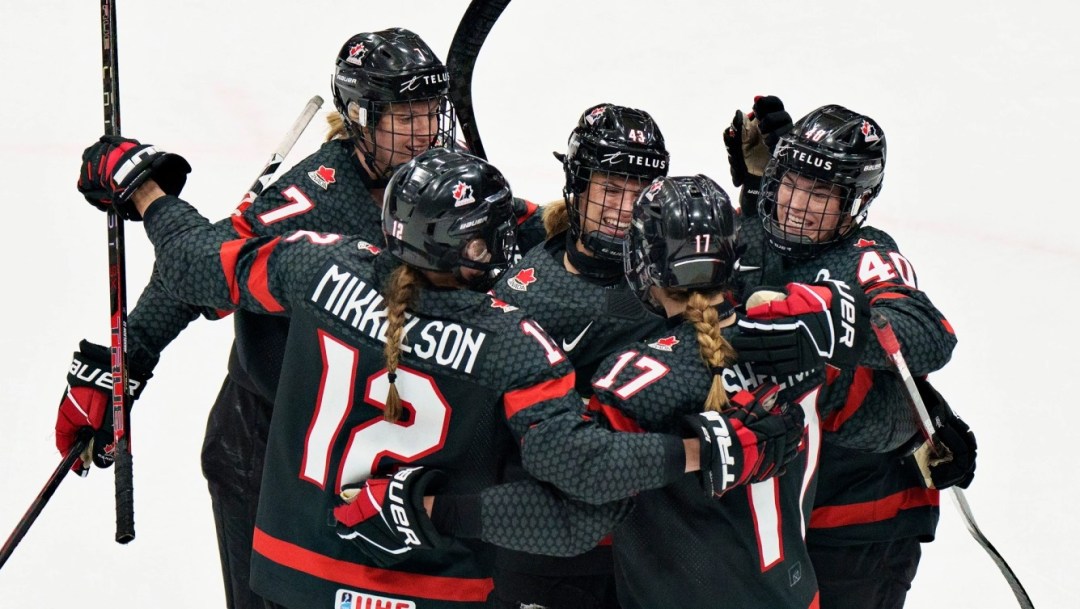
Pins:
x: 323, y: 176
x: 462, y: 194
x: 522, y: 280
x: 664, y: 344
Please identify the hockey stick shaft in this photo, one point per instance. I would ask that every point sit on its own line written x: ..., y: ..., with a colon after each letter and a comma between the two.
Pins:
x: 43, y: 497
x: 125, y: 491
x: 267, y: 174
x: 476, y: 23
x: 891, y: 345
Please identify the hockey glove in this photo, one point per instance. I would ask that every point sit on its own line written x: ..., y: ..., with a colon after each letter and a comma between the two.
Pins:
x: 956, y: 446
x: 114, y: 167
x: 750, y: 140
x: 799, y: 328
x: 385, y: 516
x: 87, y: 403
x: 749, y: 443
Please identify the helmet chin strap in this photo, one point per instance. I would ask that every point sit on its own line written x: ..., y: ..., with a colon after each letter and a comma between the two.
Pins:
x: 598, y: 269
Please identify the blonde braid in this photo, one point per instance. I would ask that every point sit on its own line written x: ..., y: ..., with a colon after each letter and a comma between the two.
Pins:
x: 715, y: 350
x: 556, y: 217
x: 401, y: 291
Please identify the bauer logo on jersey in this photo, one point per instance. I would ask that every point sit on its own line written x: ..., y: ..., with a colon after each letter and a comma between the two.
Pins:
x: 869, y: 132
x: 351, y: 599
x: 357, y: 53
x: 522, y: 280
x: 664, y: 344
x: 462, y: 194
x: 323, y: 176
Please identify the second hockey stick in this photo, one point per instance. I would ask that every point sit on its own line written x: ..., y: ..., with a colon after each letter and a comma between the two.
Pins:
x: 471, y: 33
x: 891, y: 345
x: 267, y: 174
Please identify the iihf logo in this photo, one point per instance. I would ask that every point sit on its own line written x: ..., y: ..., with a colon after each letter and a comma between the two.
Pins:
x: 323, y: 176
x: 869, y: 132
x: 462, y: 194
x: 522, y: 280
x: 665, y: 344
x: 357, y: 53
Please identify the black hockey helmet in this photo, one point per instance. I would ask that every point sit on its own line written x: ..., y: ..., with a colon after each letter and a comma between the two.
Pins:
x: 830, y: 154
x: 438, y: 205
x: 623, y: 145
x: 682, y: 237
x: 394, y: 66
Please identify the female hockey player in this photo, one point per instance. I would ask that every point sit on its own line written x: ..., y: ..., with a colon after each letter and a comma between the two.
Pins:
x: 380, y: 123
x: 872, y: 510
x: 400, y: 366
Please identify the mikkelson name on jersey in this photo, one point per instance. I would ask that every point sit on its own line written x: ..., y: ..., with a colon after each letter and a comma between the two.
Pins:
x: 350, y: 299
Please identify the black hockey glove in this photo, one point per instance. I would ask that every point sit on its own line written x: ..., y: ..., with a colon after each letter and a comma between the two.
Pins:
x: 87, y: 403
x: 385, y: 516
x: 114, y: 167
x: 748, y: 443
x: 805, y: 325
x: 750, y: 141
x: 955, y: 464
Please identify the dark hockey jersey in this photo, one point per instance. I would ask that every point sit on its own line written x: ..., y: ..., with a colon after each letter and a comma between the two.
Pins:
x: 865, y: 497
x: 479, y: 380
x: 679, y: 548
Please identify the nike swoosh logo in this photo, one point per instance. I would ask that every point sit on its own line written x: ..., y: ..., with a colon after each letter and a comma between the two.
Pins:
x: 569, y: 346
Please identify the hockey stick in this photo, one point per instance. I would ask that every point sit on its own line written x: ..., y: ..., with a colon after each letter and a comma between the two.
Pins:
x: 125, y: 490
x: 46, y: 493
x: 475, y: 25
x: 891, y: 345
x: 267, y: 174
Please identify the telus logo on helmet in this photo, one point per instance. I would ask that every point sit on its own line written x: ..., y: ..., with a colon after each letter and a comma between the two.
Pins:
x: 414, y: 83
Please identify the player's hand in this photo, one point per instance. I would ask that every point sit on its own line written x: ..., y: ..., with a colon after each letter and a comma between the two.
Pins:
x: 385, y: 516
x: 114, y: 167
x: 956, y: 446
x: 748, y: 443
x: 87, y: 404
x: 796, y: 329
x: 751, y: 139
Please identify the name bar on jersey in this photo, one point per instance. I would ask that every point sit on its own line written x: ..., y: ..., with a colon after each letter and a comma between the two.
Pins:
x: 353, y: 301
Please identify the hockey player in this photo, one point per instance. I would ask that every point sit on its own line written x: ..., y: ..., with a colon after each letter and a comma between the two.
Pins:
x: 872, y: 510
x: 573, y: 286
x: 387, y: 384
x: 739, y: 544
x: 380, y: 123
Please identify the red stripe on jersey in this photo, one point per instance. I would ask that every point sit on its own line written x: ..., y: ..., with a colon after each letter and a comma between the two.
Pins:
x: 230, y: 251
x: 606, y: 541
x: 614, y: 416
x: 860, y: 386
x: 258, y: 282
x: 520, y: 399
x: 242, y: 226
x: 372, y: 579
x: 530, y: 209
x: 948, y: 326
x: 886, y: 296
x: 887, y: 508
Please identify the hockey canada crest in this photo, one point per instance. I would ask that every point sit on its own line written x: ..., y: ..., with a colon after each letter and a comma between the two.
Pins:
x: 596, y: 113
x: 323, y: 176
x: 664, y: 344
x: 654, y: 189
x: 499, y: 304
x: 522, y: 280
x: 462, y: 194
x: 357, y: 53
x: 869, y: 132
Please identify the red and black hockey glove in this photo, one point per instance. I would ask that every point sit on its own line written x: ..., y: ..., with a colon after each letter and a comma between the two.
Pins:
x: 750, y: 141
x: 955, y: 464
x: 385, y: 516
x: 114, y: 167
x: 87, y: 403
x: 751, y: 442
x: 803, y: 326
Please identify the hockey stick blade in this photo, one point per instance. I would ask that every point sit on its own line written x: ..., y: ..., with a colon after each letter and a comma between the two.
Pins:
x: 46, y: 493
x: 299, y: 125
x: 891, y: 345
x: 471, y: 33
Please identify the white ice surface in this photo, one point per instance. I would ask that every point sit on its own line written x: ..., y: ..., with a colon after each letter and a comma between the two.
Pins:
x: 979, y: 101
